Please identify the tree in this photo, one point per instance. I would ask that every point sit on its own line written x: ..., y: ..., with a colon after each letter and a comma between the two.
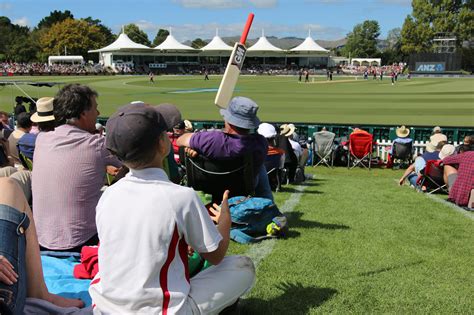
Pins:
x: 109, y: 36
x: 160, y: 37
x: 430, y: 17
x: 198, y: 43
x: 54, y: 17
x: 394, y: 38
x: 77, y: 36
x: 15, y: 42
x: 136, y: 34
x: 362, y: 41
x: 393, y: 53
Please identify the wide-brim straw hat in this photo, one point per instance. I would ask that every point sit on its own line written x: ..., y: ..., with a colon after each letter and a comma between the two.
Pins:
x: 402, y: 132
x: 287, y: 130
x: 447, y: 150
x: 44, y: 110
x: 434, y: 140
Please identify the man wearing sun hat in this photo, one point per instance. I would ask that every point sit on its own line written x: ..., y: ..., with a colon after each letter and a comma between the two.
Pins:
x: 44, y: 119
x: 145, y: 223
x: 402, y: 133
x: 235, y: 140
x: 435, y: 138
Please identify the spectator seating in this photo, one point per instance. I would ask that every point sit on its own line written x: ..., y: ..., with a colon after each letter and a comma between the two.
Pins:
x: 402, y: 152
x: 360, y: 150
x: 323, y: 148
x: 431, y: 179
x: 215, y: 176
x: 274, y: 171
x: 25, y: 161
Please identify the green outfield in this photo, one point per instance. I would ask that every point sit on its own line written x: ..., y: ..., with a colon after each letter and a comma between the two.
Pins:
x: 420, y: 101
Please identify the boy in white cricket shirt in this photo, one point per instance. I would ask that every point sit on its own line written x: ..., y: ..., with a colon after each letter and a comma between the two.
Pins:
x: 145, y: 223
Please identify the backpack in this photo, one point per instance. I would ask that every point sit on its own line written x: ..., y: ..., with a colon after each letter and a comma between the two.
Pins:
x: 255, y: 219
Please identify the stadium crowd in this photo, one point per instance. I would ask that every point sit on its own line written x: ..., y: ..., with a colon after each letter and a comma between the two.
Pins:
x: 75, y: 207
x: 370, y: 70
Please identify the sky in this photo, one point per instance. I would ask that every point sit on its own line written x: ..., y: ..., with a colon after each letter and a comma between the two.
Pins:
x: 189, y: 19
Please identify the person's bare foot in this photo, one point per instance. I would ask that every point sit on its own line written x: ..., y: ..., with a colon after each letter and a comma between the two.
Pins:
x: 64, y: 302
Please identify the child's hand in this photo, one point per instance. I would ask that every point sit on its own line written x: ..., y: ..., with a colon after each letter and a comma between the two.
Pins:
x: 217, y: 210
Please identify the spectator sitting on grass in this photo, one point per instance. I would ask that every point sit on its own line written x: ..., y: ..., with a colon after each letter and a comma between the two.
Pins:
x: 235, y: 140
x: 23, y: 126
x: 402, y: 136
x: 69, y: 170
x: 44, y: 119
x: 435, y: 138
x: 414, y: 170
x: 459, y: 176
x: 145, y: 223
x: 467, y: 145
x: 21, y: 276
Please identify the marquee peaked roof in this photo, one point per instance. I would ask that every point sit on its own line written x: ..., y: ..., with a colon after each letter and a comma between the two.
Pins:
x: 121, y: 43
x: 263, y: 45
x: 309, y: 45
x: 171, y: 43
x: 217, y: 44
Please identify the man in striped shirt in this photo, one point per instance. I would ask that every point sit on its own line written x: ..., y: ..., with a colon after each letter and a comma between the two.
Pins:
x: 69, y: 168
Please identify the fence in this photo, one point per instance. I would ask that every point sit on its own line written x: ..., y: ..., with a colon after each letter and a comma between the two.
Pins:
x: 383, y: 148
x: 383, y: 133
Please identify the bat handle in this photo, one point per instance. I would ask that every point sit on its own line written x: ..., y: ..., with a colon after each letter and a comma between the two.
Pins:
x: 243, y: 38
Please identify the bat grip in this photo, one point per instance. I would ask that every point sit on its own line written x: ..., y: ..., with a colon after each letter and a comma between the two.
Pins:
x: 243, y: 38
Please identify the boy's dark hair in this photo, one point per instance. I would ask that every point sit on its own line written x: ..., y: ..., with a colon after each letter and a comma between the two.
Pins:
x: 23, y: 120
x: 71, y: 101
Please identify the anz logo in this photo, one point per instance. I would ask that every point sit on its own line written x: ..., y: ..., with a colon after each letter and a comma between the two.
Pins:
x: 430, y: 67
x: 239, y: 56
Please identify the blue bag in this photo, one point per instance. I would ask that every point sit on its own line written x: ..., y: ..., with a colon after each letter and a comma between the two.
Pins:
x: 250, y: 217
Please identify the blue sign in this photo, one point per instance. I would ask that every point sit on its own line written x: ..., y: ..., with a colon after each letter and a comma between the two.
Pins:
x: 432, y: 67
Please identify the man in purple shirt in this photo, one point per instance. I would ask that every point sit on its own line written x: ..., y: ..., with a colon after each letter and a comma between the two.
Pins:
x: 69, y: 168
x: 234, y: 140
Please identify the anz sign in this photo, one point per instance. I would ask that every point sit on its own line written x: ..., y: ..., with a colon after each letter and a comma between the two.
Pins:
x: 432, y: 67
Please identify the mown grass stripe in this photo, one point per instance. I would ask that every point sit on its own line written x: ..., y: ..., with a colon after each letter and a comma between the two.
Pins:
x: 470, y: 215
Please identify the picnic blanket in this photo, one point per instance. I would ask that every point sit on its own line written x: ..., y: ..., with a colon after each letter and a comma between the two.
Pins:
x: 58, y: 275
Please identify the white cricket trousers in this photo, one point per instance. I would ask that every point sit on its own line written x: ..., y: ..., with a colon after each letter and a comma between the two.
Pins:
x: 219, y: 286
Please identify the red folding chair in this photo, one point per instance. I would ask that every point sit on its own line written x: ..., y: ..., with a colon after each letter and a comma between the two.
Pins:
x: 432, y: 177
x: 360, y: 150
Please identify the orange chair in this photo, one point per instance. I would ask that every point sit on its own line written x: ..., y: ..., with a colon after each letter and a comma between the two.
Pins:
x: 360, y: 149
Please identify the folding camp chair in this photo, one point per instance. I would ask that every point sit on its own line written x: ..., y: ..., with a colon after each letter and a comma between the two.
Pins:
x: 402, y: 152
x: 360, y: 150
x: 274, y: 168
x: 432, y: 178
x: 215, y: 176
x: 323, y: 148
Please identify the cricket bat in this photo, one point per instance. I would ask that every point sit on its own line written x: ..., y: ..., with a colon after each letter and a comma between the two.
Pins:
x: 231, y: 74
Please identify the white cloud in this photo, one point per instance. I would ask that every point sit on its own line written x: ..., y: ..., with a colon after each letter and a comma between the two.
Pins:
x: 225, y: 4
x: 23, y: 21
x: 5, y: 6
x: 146, y: 26
x: 263, y: 4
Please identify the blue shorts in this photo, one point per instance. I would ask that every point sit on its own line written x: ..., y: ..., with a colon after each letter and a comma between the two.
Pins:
x: 13, y: 225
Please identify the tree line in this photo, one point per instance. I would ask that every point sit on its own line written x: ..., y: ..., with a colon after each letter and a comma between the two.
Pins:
x: 428, y: 18
x: 60, y: 31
